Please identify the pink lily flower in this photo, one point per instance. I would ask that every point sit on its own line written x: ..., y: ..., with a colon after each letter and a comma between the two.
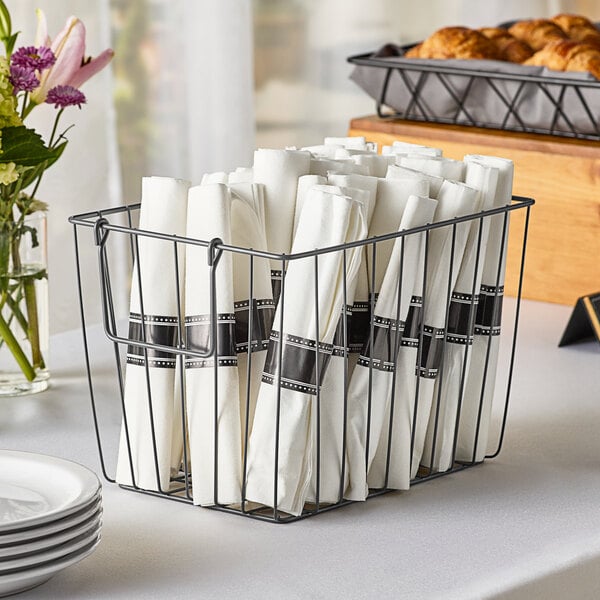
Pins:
x: 72, y: 67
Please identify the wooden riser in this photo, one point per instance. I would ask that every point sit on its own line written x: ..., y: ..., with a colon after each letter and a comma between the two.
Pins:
x: 562, y: 175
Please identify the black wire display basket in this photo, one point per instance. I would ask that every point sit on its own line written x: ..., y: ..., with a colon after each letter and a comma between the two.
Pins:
x: 114, y: 232
x: 480, y: 93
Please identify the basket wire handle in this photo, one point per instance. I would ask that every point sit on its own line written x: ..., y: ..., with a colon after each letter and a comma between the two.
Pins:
x: 214, y: 253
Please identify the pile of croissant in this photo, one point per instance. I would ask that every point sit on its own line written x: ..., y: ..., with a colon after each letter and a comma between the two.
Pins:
x: 563, y: 43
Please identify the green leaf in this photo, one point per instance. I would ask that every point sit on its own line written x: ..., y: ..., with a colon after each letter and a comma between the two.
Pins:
x: 25, y: 147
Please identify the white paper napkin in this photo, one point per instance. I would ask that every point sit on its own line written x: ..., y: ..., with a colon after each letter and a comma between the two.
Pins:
x: 358, y: 142
x: 455, y: 200
x: 332, y: 405
x: 248, y: 231
x: 392, y: 197
x: 241, y: 175
x: 479, y: 391
x: 322, y: 166
x: 209, y: 216
x: 377, y: 164
x: 217, y: 177
x: 305, y: 183
x: 434, y: 165
x: 404, y: 148
x: 439, y: 444
x: 374, y: 373
x: 325, y: 221
x: 163, y: 209
x: 278, y: 171
x: 359, y: 324
x: 325, y: 150
x: 435, y: 181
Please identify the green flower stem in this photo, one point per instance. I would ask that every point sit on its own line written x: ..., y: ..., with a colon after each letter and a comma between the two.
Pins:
x: 16, y: 350
x: 13, y: 303
x: 33, y: 332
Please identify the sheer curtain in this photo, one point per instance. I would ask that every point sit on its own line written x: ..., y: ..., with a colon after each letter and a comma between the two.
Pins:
x: 87, y: 175
x: 176, y: 101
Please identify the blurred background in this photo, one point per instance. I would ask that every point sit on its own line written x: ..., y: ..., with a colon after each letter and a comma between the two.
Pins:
x: 196, y: 85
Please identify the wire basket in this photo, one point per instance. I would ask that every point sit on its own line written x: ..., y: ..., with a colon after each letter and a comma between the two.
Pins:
x: 113, y: 230
x: 480, y: 93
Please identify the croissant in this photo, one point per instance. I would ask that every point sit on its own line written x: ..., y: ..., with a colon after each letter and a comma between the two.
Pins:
x: 537, y: 32
x: 568, y: 55
x: 578, y: 28
x: 414, y: 52
x: 508, y: 46
x: 457, y: 42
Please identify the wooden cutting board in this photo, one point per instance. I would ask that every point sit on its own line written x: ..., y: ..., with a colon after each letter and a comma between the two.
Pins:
x: 561, y: 174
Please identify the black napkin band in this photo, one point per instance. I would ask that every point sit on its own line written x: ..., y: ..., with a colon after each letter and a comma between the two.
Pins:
x: 263, y: 311
x: 198, y: 332
x: 156, y: 329
x: 489, y: 310
x: 298, y: 363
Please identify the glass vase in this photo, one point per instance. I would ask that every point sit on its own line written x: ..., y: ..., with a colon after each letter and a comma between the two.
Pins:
x: 24, y: 323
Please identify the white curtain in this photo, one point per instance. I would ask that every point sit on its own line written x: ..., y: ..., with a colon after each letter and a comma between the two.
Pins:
x: 193, y: 101
x: 87, y: 176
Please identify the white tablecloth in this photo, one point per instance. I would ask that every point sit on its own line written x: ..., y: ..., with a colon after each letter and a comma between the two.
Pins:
x: 524, y: 525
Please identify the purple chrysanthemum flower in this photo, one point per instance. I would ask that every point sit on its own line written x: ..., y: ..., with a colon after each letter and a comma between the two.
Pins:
x: 65, y: 95
x: 23, y: 79
x: 35, y: 58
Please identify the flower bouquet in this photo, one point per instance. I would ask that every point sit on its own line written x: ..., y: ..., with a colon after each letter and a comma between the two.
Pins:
x: 50, y: 71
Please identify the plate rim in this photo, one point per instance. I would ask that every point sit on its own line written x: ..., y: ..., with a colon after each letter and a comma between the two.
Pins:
x: 77, y: 469
x: 31, y: 532
x: 49, y: 541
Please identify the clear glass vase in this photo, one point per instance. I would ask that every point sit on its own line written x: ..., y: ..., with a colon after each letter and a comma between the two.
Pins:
x: 24, y: 307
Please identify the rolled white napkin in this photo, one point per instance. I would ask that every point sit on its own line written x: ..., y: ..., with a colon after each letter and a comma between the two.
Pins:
x: 241, y: 175
x: 209, y: 216
x: 439, y: 443
x: 325, y: 221
x: 435, y: 181
x: 455, y: 200
x: 278, y: 171
x: 358, y: 142
x: 217, y: 177
x: 404, y: 148
x: 322, y: 166
x: 150, y: 375
x: 329, y: 487
x: 325, y: 150
x: 248, y: 231
x: 435, y: 165
x: 359, y: 322
x: 305, y: 183
x: 479, y: 389
x: 392, y: 197
x: 374, y: 375
x: 377, y: 164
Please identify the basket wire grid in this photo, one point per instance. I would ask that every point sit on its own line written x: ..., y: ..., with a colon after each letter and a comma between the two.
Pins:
x: 105, y: 225
x: 563, y: 95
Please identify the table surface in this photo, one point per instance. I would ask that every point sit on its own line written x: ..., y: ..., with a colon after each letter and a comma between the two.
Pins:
x: 524, y: 525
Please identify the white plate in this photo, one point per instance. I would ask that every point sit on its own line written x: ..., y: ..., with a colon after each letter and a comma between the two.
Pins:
x: 51, y: 528
x: 30, y: 578
x: 49, y: 541
x: 35, y: 489
x: 51, y: 554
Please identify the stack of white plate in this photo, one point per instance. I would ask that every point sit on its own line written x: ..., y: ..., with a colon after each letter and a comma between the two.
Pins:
x: 50, y: 517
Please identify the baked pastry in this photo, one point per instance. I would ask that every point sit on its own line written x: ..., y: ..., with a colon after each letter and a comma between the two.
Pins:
x: 508, y: 46
x: 457, y: 42
x: 537, y: 32
x: 578, y: 28
x: 568, y: 55
x: 414, y: 52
